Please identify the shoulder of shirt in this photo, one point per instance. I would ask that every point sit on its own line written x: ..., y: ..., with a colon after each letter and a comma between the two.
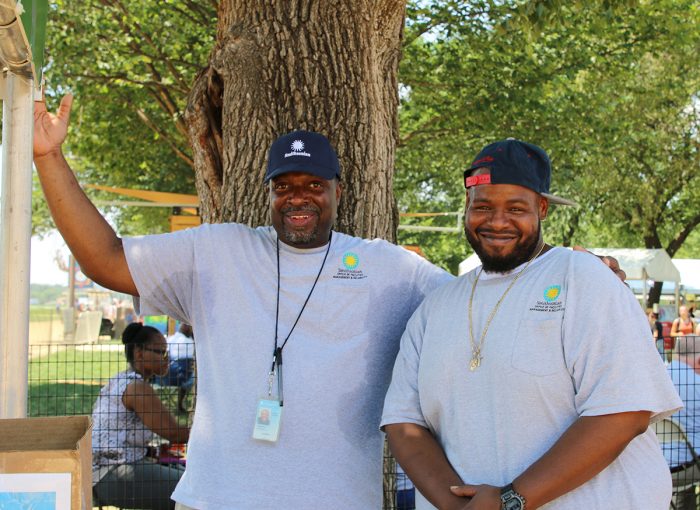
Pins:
x: 227, y: 228
x: 382, y: 248
x: 585, y: 261
x: 451, y: 289
x: 376, y: 244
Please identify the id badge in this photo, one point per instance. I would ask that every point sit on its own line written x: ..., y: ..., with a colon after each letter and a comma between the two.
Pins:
x: 267, y: 420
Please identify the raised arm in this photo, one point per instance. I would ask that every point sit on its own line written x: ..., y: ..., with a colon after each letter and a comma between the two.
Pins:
x: 424, y: 461
x: 90, y: 238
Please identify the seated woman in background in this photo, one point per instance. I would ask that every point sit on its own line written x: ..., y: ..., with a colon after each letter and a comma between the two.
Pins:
x: 126, y: 416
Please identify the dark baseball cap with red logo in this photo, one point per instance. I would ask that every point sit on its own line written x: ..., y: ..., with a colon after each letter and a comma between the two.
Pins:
x: 513, y: 161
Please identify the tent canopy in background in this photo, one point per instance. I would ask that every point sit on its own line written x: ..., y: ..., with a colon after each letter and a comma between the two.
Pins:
x: 690, y: 274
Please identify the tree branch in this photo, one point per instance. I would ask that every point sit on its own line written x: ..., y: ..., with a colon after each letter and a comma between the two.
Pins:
x: 148, y: 122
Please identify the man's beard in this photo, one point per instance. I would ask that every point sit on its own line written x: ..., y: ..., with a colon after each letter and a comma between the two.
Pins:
x: 524, y: 251
x: 293, y: 237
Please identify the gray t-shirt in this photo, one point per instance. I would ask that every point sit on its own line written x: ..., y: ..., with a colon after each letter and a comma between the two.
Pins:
x: 568, y: 340
x: 222, y: 279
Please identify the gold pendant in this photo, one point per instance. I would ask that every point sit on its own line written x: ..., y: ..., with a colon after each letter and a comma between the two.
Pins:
x: 475, y: 362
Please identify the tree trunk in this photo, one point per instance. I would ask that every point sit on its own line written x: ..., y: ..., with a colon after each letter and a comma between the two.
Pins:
x: 321, y: 65
x: 654, y: 294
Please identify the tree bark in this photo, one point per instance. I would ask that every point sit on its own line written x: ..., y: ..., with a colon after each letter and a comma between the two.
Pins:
x: 321, y: 65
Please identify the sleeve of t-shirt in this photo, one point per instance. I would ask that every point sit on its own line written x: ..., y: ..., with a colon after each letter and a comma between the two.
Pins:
x: 429, y: 277
x: 162, y: 267
x: 608, y: 346
x: 402, y: 402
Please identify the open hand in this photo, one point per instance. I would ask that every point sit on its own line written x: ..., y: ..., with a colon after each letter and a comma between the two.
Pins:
x: 50, y: 129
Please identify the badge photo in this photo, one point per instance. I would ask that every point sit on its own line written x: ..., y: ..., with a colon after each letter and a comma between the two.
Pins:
x: 267, y: 420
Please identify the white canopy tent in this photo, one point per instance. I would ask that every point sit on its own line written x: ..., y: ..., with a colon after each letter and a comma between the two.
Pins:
x: 690, y: 274
x: 639, y: 264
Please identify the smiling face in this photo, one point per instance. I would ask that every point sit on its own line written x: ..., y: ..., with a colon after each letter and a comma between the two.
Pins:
x: 502, y: 224
x: 304, y: 208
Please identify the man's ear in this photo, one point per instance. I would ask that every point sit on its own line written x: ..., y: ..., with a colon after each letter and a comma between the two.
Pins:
x: 338, y: 190
x: 543, y: 208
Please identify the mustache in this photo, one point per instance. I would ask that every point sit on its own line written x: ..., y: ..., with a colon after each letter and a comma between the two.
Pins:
x: 302, y: 208
x: 492, y: 231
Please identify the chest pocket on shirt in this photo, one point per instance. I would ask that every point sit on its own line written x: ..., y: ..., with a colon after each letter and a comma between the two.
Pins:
x: 345, y: 310
x: 537, y: 349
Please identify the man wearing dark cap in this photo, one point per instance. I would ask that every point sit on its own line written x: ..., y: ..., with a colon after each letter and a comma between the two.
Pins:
x: 332, y: 306
x: 528, y: 400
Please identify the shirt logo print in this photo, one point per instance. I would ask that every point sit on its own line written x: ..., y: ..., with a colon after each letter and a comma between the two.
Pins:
x: 551, y: 293
x: 351, y: 260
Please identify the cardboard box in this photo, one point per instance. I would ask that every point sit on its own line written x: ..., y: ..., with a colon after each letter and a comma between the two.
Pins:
x: 44, y: 451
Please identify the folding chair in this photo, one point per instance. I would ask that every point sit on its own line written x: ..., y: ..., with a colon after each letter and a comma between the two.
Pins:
x: 685, y: 465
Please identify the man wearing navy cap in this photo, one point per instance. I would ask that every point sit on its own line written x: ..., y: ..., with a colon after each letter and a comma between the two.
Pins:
x: 530, y: 399
x: 290, y: 319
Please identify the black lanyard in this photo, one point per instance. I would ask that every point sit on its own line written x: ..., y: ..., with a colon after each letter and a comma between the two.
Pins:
x: 277, y: 353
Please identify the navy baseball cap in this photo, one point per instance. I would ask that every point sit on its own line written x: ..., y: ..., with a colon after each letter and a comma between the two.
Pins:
x: 302, y: 151
x: 512, y: 161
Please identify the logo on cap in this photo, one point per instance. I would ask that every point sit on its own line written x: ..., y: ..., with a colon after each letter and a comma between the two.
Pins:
x: 297, y: 149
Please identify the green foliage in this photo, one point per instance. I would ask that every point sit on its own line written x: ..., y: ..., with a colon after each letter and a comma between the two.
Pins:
x: 604, y: 87
x: 44, y: 295
x: 130, y: 65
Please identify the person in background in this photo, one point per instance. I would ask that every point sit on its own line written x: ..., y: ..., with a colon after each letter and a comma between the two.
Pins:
x: 405, y: 490
x: 182, y: 358
x: 684, y: 370
x: 126, y: 418
x: 683, y: 324
x: 657, y: 330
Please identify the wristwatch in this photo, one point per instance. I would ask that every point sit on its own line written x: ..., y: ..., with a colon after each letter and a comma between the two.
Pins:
x: 511, y: 500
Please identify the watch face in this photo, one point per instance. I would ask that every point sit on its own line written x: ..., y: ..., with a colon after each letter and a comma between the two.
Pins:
x: 514, y: 503
x: 512, y: 500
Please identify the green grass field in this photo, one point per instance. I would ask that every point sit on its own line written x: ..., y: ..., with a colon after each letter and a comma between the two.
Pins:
x: 42, y: 313
x: 65, y: 379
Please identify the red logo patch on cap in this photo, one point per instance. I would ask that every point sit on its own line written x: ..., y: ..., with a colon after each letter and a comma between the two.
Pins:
x: 475, y: 180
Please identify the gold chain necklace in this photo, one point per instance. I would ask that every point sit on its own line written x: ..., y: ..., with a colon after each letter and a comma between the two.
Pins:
x: 476, y: 349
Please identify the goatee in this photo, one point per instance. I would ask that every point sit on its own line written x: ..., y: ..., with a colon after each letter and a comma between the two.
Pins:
x: 522, y: 252
x: 293, y: 237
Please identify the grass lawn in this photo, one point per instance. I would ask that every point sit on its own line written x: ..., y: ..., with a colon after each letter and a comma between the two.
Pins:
x: 65, y: 380
x: 43, y: 313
